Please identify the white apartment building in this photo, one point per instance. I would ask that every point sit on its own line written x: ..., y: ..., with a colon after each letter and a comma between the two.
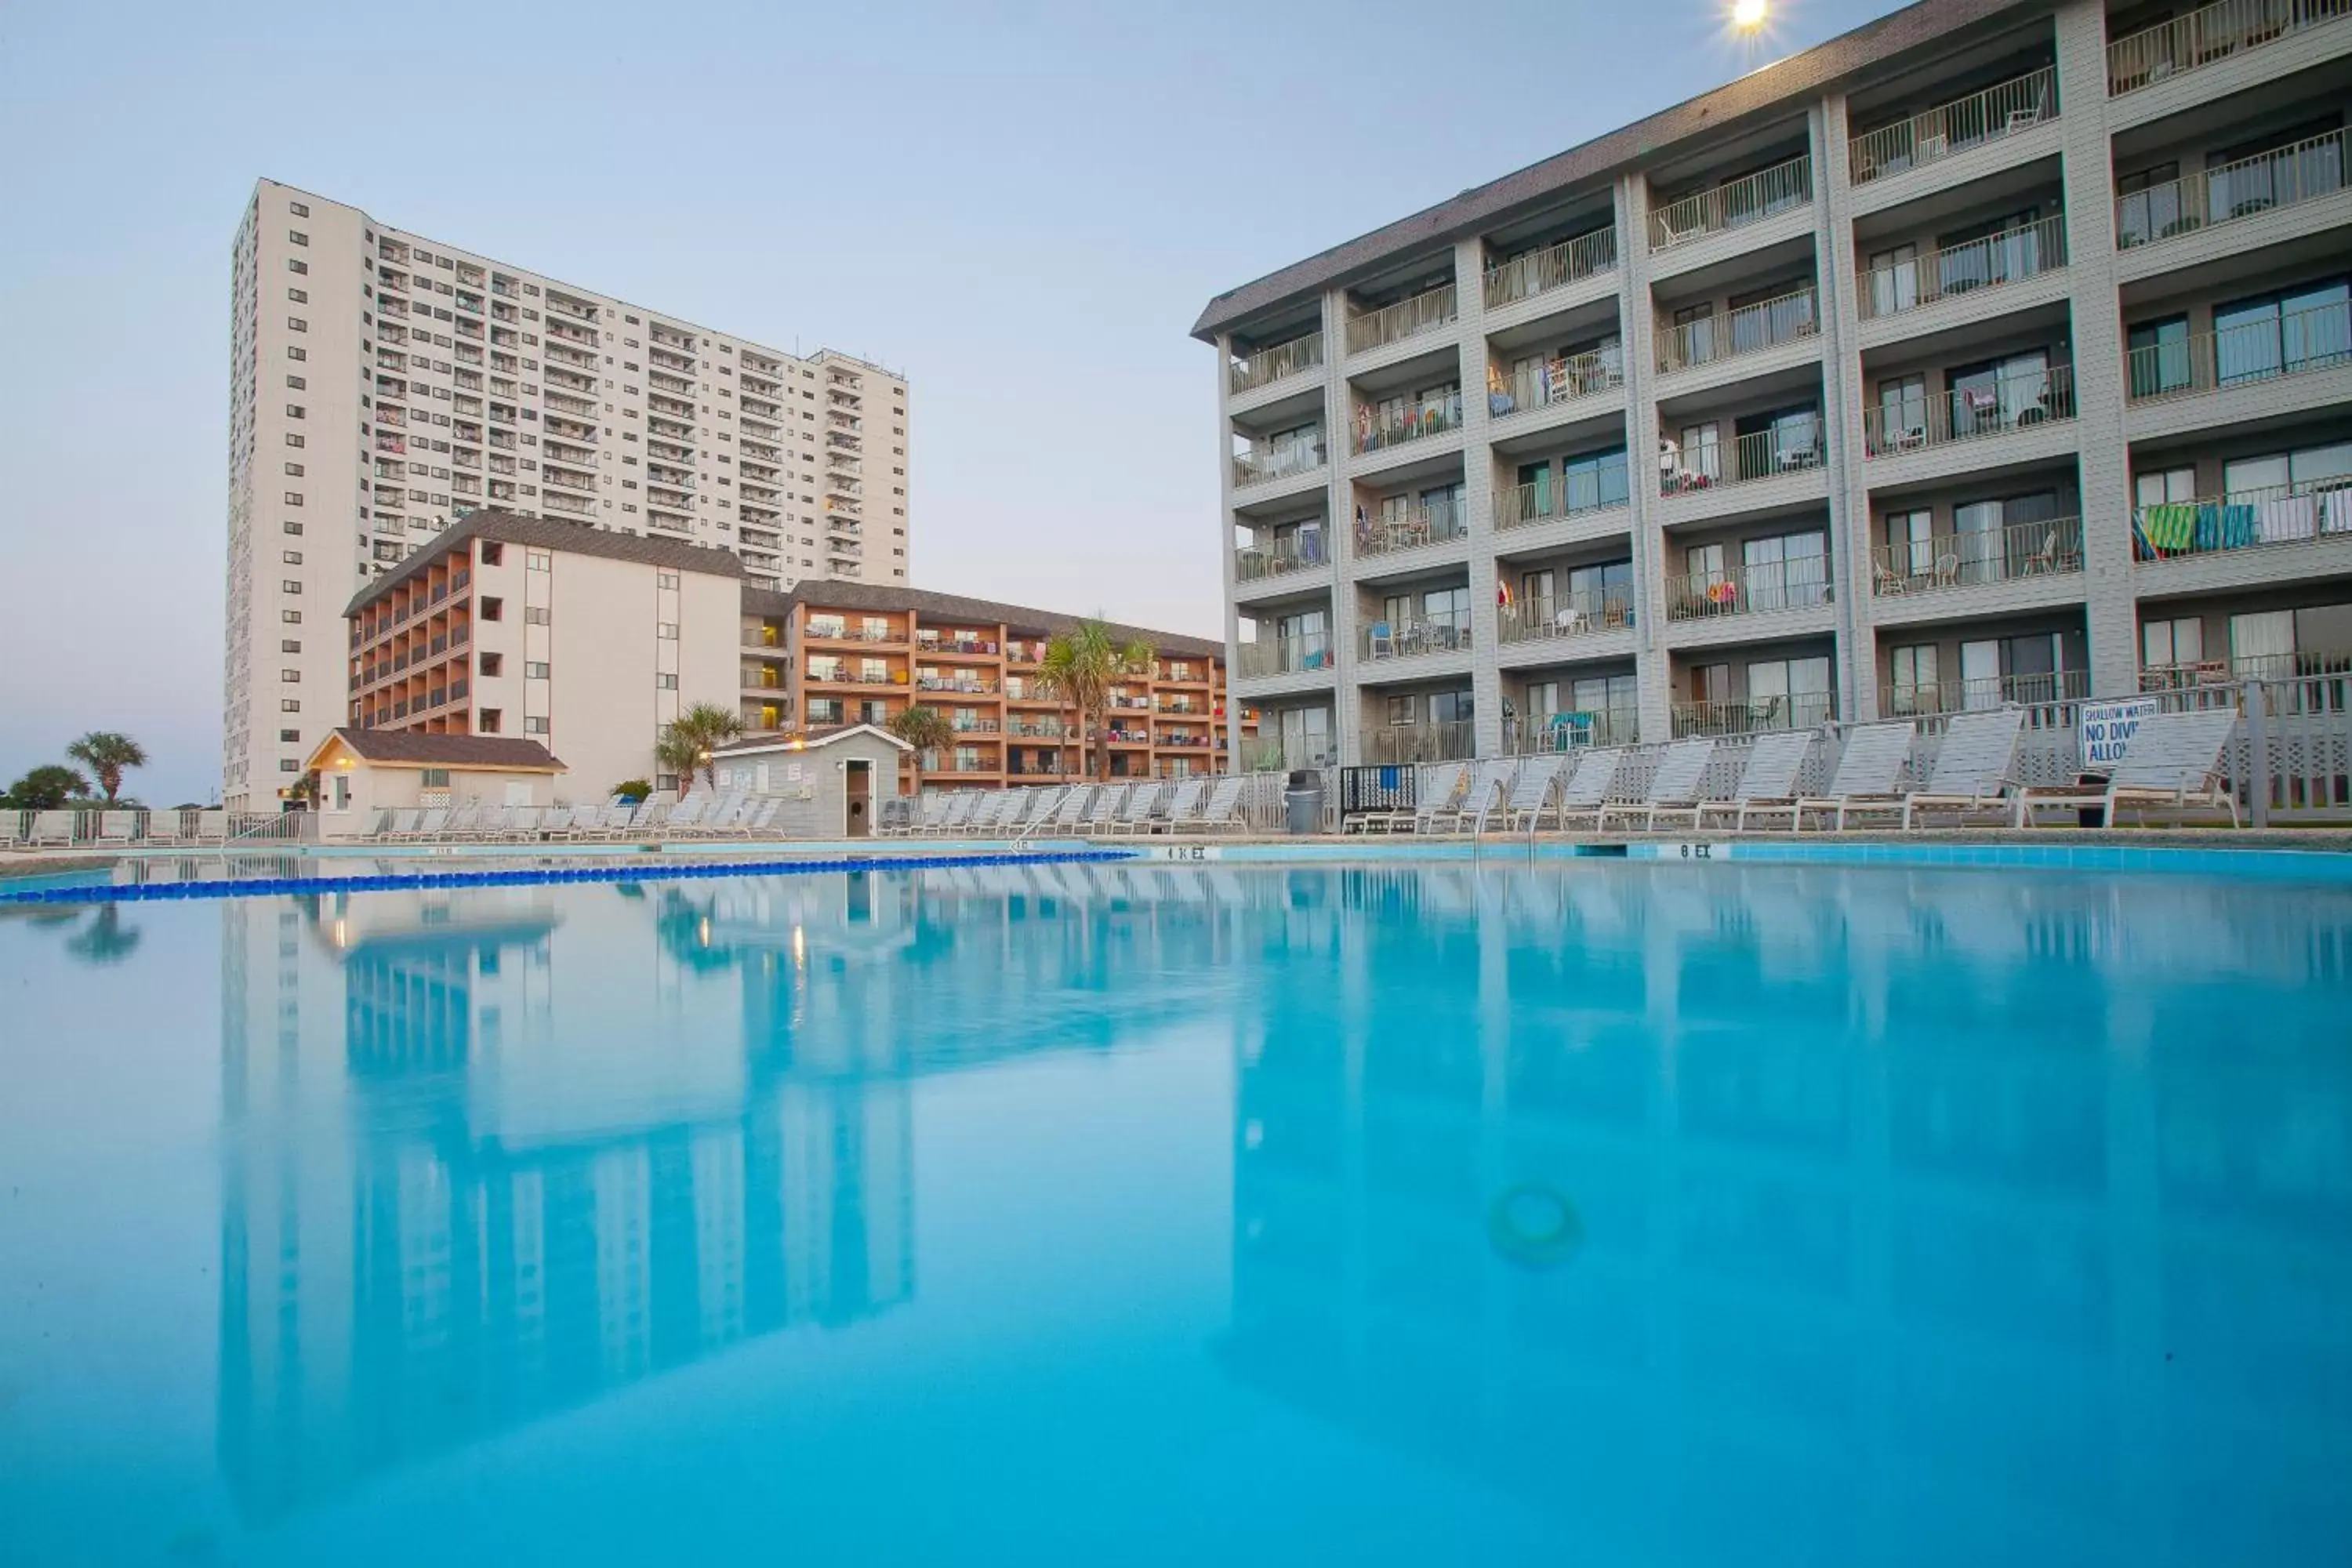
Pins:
x: 1997, y: 351
x: 384, y: 385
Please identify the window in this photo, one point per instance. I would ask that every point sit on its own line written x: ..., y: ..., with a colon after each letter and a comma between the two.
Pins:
x: 297, y: 324
x: 436, y: 778
x: 534, y: 724
x: 294, y: 351
x: 664, y: 683
x: 292, y: 617
x: 493, y: 609
x: 538, y: 561
x: 293, y: 470
x: 537, y: 616
x: 486, y: 722
x: 290, y: 645
x: 290, y: 705
x: 1912, y: 670
x: 290, y: 737
x: 292, y: 557
x: 291, y: 677
x: 2282, y: 334
x: 1902, y: 412
x: 294, y: 411
x: 290, y: 585
x: 2168, y: 644
x: 1796, y: 688
x: 665, y: 579
x: 296, y: 383
x: 297, y: 237
x: 297, y: 296
x: 1911, y: 543
x: 294, y: 264
x: 2156, y: 357
x: 666, y: 630
x: 294, y: 438
x: 293, y: 527
x: 1404, y: 709
x: 534, y: 670
x: 289, y: 765
x: 1894, y: 280
x: 1786, y: 570
x: 493, y: 553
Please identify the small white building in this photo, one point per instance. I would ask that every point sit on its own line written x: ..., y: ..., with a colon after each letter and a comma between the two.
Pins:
x: 361, y: 771
x: 831, y: 781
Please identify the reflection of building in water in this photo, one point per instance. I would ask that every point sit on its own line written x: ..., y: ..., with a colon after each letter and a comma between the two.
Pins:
x: 1891, y: 1208
x: 457, y: 1199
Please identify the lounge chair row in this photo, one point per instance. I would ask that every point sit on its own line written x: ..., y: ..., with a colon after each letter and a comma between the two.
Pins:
x: 736, y: 816
x: 121, y: 829
x: 1146, y: 807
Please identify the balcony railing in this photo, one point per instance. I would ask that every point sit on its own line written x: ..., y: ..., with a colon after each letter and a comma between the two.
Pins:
x: 1407, y: 318
x: 1952, y: 128
x: 1297, y: 551
x: 2215, y: 33
x: 1396, y: 744
x: 2292, y: 343
x: 2010, y: 256
x: 1406, y: 639
x: 2244, y: 520
x: 1535, y: 272
x: 2282, y: 177
x: 1984, y: 691
x: 1268, y: 366
x: 1759, y: 455
x: 1751, y: 329
x: 1971, y: 412
x: 1410, y: 529
x: 1286, y: 656
x: 953, y: 683
x: 1756, y: 197
x: 1261, y: 464
x: 1796, y: 585
x: 1756, y: 715
x: 1377, y: 429
x: 1567, y: 616
x: 2050, y: 547
x: 1541, y: 734
x: 1554, y: 380
x: 1580, y: 491
x: 2301, y: 664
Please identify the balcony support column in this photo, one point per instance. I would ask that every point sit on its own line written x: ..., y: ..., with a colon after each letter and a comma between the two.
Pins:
x: 1652, y: 671
x: 1844, y: 402
x: 1478, y: 497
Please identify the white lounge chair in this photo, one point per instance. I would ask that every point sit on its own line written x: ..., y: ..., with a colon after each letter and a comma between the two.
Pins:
x: 763, y: 820
x: 2172, y: 761
x: 432, y: 824
x: 51, y: 827
x: 1868, y: 767
x: 1434, y: 785
x: 1766, y: 784
x: 1974, y: 762
x: 685, y: 817
x: 1068, y: 812
x: 1490, y: 781
x: 1184, y: 803
x: 960, y: 807
x: 211, y: 828
x: 1585, y: 796
x: 1674, y: 785
x: 1223, y: 809
x: 1105, y: 806
x: 118, y: 828
x: 1531, y: 791
x: 1135, y: 812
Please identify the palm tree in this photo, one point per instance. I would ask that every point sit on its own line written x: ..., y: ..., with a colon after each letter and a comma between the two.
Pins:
x: 1079, y: 668
x: 44, y: 788
x: 106, y: 940
x: 106, y: 754
x: 687, y: 740
x: 925, y: 729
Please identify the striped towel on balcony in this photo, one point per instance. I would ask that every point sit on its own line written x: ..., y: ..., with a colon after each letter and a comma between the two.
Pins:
x: 2168, y: 529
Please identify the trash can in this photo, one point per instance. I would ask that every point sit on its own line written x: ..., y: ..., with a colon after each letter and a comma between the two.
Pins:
x: 1303, y: 802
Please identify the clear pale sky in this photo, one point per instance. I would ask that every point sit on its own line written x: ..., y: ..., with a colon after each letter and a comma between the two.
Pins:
x: 1023, y: 206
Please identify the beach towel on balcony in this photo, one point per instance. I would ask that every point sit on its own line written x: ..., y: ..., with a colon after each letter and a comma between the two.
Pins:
x: 2168, y: 530
x: 2238, y: 527
x: 2283, y: 519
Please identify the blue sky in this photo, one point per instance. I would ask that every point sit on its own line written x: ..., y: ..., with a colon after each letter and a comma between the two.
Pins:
x: 1021, y: 206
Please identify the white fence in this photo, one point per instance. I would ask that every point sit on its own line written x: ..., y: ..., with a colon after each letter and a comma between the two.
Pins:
x: 79, y: 827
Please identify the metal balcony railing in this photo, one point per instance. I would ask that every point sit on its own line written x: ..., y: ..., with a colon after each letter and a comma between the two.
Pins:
x: 1741, y: 202
x: 2294, y: 343
x: 2215, y: 33
x: 1952, y: 128
x: 1286, y: 656
x: 1535, y: 272
x: 2011, y: 256
x: 1268, y: 366
x: 1751, y: 329
x: 1409, y: 529
x: 1395, y: 744
x: 1541, y: 617
x: 1540, y: 734
x: 1406, y: 639
x: 1578, y: 490
x: 1554, y: 380
x: 1378, y: 428
x: 1903, y: 701
x: 2243, y: 519
x: 2282, y: 177
x: 1971, y: 413
x: 1409, y: 318
x: 1293, y: 552
x: 1262, y: 463
x: 1755, y: 715
x: 1759, y: 455
x: 1794, y: 585
x: 2050, y: 547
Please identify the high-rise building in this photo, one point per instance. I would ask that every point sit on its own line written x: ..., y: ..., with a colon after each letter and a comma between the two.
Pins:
x: 384, y: 385
x: 2000, y: 351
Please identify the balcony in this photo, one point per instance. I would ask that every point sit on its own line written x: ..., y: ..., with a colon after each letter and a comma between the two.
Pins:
x: 1297, y: 549
x: 1270, y: 657
x: 2029, y: 250
x: 1399, y: 422
x: 1759, y: 455
x: 1268, y: 366
x: 1599, y: 488
x: 1988, y: 408
x: 1409, y: 529
x: 1535, y: 272
x: 1802, y: 583
x: 2051, y: 547
x: 2301, y: 664
x: 1950, y: 129
x: 1399, y: 744
x: 969, y: 685
x: 1753, y: 715
x: 1751, y: 329
x: 1566, y: 615
x: 1409, y: 318
x: 2247, y: 520
x: 2282, y: 177
x: 1554, y: 381
x: 1411, y: 639
x: 1264, y: 462
x: 2040, y: 690
x: 2215, y: 33
x: 1735, y: 205
x: 2291, y: 343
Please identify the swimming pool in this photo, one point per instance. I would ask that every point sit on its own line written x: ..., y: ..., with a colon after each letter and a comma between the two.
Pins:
x: 1582, y: 1211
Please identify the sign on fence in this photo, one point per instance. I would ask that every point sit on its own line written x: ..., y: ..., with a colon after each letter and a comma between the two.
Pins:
x: 2107, y: 729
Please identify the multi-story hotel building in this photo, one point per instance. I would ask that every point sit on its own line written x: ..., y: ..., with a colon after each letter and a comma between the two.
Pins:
x: 843, y: 653
x: 383, y: 385
x: 584, y: 640
x: 1996, y: 350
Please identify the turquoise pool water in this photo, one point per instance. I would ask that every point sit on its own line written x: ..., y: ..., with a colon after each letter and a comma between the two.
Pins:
x: 1587, y: 1212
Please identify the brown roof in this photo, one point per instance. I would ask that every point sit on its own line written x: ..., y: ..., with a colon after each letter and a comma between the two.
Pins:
x: 802, y: 740
x: 548, y: 534
x: 414, y: 746
x: 859, y: 596
x: 1930, y: 22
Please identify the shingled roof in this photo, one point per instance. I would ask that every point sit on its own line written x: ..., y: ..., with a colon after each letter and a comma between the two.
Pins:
x: 823, y: 595
x: 548, y: 534
x: 415, y: 747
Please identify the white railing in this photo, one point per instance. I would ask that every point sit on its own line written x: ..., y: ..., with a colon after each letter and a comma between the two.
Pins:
x: 1542, y: 734
x: 1296, y: 549
x: 2243, y: 519
x: 1539, y: 617
x: 2295, y: 343
x: 2063, y: 686
x: 2010, y: 256
x: 1263, y: 463
x: 1951, y: 127
x: 1758, y: 455
x: 2009, y: 403
x: 1797, y: 583
x: 1286, y: 656
x: 2215, y: 33
x: 1551, y: 381
x: 1578, y: 492
x: 1755, y: 715
x: 1378, y: 428
x: 1268, y: 366
x: 1407, y: 318
x: 1535, y: 272
x: 1741, y: 202
x: 1406, y: 639
x: 1388, y: 745
x: 2051, y: 547
x: 1410, y: 529
x: 1751, y: 329
x: 2282, y: 177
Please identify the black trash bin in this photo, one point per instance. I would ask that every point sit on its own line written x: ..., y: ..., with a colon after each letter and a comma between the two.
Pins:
x: 1303, y: 802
